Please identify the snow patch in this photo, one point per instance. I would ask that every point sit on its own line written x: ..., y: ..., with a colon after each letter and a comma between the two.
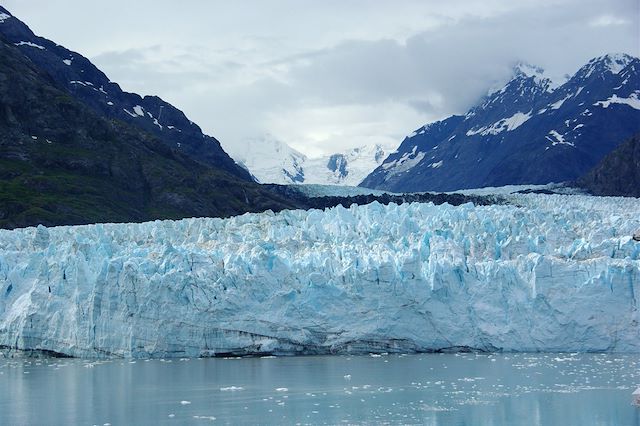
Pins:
x: 408, y: 161
x: 67, y: 61
x: 4, y: 17
x: 558, y: 104
x: 557, y: 139
x: 138, y: 110
x: 30, y: 44
x: 633, y: 101
x: 506, y: 124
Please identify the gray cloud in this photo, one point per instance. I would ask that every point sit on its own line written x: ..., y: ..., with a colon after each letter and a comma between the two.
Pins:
x: 323, y: 76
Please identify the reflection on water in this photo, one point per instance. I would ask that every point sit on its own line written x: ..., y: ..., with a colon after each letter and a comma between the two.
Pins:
x: 461, y: 389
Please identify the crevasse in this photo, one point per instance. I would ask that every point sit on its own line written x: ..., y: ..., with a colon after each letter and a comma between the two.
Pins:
x: 548, y: 273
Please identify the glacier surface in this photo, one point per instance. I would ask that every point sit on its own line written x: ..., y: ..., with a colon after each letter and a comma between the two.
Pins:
x: 549, y: 273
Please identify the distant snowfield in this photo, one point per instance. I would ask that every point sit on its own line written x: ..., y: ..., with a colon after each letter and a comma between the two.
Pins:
x: 273, y: 161
x: 555, y: 273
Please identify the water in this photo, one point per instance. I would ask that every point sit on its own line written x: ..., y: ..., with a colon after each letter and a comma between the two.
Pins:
x: 462, y: 389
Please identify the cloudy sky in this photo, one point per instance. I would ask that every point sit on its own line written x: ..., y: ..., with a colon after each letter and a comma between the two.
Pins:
x: 323, y: 76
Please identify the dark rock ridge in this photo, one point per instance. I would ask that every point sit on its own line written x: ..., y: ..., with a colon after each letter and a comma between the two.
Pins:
x: 618, y: 174
x: 456, y: 199
x: 525, y: 133
x: 76, y: 75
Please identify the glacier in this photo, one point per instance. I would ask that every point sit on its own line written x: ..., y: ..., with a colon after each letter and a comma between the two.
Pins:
x: 541, y: 273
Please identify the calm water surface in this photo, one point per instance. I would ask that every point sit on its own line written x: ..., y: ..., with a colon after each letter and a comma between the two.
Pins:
x: 463, y: 389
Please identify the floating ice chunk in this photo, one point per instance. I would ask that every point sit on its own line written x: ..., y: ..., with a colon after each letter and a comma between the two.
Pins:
x: 212, y: 418
x: 232, y: 389
x: 636, y: 397
x: 185, y: 402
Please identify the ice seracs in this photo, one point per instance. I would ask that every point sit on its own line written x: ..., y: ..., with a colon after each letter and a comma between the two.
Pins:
x: 548, y: 273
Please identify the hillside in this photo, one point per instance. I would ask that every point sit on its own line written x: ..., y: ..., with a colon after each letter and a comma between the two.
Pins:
x: 62, y: 163
x: 76, y: 75
x: 618, y: 173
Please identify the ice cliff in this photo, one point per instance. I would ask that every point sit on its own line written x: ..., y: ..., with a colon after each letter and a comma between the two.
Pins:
x: 549, y: 273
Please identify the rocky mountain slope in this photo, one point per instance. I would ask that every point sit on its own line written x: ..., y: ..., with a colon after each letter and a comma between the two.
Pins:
x: 76, y: 75
x: 525, y: 133
x: 63, y: 163
x: 618, y: 173
x: 272, y: 161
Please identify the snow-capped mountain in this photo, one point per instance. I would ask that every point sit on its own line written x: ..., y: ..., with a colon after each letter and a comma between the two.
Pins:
x: 269, y: 160
x: 527, y: 132
x: 272, y: 161
x: 346, y: 168
x: 555, y: 273
x: 85, y: 82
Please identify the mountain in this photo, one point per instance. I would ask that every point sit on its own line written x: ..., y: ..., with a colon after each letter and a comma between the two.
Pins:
x: 269, y: 160
x: 525, y: 133
x: 272, y: 161
x: 62, y: 162
x: 81, y: 79
x: 618, y: 173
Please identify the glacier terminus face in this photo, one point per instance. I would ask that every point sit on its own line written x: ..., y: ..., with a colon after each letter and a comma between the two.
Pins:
x: 543, y: 273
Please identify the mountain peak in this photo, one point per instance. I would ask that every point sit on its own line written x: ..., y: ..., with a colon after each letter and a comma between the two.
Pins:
x: 4, y: 15
x: 527, y: 70
x: 614, y: 62
x: 522, y: 75
x: 610, y: 63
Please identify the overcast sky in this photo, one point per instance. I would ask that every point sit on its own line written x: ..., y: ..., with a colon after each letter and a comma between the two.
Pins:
x: 326, y: 75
